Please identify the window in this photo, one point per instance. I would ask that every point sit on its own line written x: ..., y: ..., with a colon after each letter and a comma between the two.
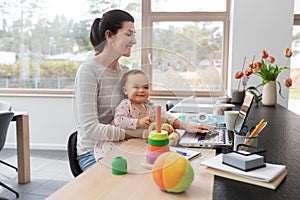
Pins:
x: 41, y: 47
x: 294, y: 92
x: 182, y: 46
x: 186, y: 46
x: 42, y: 51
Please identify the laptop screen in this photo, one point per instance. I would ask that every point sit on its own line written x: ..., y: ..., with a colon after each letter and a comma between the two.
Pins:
x: 244, y: 111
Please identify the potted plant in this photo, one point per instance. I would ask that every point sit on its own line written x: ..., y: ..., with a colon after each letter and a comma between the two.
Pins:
x: 268, y: 71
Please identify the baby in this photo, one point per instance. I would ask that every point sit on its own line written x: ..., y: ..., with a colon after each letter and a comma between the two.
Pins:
x: 132, y: 114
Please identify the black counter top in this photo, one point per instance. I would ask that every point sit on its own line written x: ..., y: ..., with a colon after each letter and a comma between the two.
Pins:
x: 281, y: 139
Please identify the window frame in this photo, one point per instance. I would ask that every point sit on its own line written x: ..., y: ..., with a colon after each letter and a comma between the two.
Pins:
x: 36, y: 92
x: 296, y: 19
x: 148, y: 17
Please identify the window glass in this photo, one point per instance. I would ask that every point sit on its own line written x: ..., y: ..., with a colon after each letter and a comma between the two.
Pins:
x: 294, y: 91
x: 42, y: 43
x: 188, y: 5
x: 186, y: 56
x: 297, y: 7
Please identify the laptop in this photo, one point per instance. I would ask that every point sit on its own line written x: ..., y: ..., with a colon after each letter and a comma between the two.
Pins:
x: 224, y: 137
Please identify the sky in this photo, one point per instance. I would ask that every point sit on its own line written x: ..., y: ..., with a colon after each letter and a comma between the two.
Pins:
x: 77, y: 8
x: 72, y: 9
x: 189, y: 5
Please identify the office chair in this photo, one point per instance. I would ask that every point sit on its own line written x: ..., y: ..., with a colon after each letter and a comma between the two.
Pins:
x: 169, y: 105
x: 5, y: 106
x: 72, y: 154
x: 5, y: 119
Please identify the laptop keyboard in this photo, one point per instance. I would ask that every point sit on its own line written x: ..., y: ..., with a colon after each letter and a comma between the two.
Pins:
x: 213, y: 138
x: 208, y: 138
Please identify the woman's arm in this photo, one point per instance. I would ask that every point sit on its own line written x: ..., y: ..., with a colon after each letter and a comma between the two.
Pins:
x: 199, y: 128
x: 86, y: 95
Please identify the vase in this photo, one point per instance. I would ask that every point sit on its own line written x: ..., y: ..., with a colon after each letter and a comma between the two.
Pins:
x: 269, y: 94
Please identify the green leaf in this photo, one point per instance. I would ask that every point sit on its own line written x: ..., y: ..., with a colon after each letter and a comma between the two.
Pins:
x: 256, y: 93
x: 280, y: 89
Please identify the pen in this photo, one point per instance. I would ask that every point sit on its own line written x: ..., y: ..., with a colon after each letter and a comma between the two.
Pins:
x: 258, y: 129
x: 263, y: 126
x: 258, y: 126
x: 181, y: 153
x: 249, y: 131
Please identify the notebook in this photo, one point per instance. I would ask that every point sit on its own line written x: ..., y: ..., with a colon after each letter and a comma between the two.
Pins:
x: 269, y: 176
x: 224, y: 137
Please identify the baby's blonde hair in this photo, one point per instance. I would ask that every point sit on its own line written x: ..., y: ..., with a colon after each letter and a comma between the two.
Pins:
x: 131, y: 72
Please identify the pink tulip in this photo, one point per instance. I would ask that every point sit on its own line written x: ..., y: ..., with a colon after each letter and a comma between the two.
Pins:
x: 251, y: 65
x: 264, y: 54
x: 288, y: 53
x: 270, y: 59
x: 238, y: 75
x: 256, y: 66
x: 248, y: 72
x: 288, y: 82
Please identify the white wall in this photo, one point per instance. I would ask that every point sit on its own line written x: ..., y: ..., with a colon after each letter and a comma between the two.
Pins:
x: 258, y: 25
x: 255, y: 25
x: 50, y: 121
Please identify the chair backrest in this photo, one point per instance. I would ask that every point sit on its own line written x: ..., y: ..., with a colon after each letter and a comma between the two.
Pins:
x: 72, y: 154
x: 169, y: 105
x: 5, y: 106
x: 5, y: 119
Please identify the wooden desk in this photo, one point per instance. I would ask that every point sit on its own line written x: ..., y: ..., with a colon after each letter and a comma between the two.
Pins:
x: 281, y: 139
x: 23, y: 151
x: 99, y: 183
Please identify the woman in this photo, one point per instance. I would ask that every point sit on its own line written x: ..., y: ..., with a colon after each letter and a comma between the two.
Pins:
x: 97, y: 85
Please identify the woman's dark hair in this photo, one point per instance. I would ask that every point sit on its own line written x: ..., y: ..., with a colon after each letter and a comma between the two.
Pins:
x: 112, y: 21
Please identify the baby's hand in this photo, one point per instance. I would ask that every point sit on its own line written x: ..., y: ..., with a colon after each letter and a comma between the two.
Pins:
x: 143, y: 122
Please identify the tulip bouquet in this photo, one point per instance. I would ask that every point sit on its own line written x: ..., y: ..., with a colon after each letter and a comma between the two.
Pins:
x: 267, y: 70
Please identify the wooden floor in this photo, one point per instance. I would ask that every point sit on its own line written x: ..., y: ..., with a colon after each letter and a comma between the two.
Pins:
x: 49, y: 171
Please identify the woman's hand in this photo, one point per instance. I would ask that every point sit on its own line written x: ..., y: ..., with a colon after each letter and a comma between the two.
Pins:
x: 198, y: 128
x: 128, y: 136
x: 129, y: 133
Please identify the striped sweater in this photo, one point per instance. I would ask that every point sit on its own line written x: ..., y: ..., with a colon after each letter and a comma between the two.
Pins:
x: 97, y: 93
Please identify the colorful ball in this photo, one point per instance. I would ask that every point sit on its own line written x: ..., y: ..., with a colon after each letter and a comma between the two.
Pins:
x: 172, y: 172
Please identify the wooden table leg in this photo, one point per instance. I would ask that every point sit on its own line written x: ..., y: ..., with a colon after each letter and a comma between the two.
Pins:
x: 23, y: 150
